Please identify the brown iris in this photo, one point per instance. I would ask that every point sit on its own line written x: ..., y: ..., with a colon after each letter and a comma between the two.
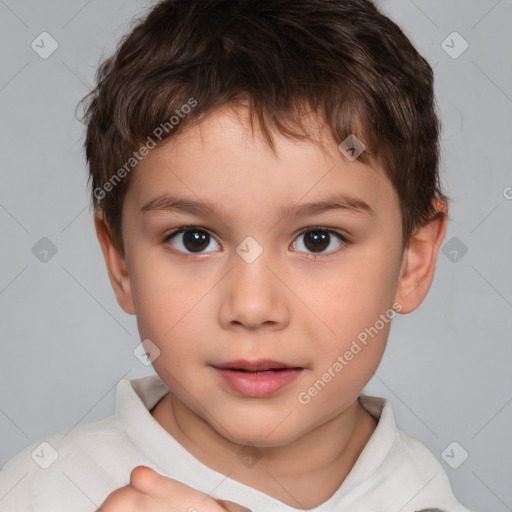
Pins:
x: 195, y: 240
x: 316, y: 241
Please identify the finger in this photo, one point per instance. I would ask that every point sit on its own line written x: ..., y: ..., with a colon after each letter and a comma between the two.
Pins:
x: 231, y: 506
x: 148, y: 482
x: 144, y: 480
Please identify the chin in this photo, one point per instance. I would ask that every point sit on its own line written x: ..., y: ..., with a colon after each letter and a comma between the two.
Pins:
x: 267, y: 434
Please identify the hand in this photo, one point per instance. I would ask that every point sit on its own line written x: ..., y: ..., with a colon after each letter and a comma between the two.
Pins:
x: 150, y: 492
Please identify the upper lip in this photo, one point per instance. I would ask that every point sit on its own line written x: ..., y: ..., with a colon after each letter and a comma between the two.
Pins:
x: 254, y: 366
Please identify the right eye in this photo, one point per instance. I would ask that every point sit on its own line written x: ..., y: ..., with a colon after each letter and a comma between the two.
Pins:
x: 190, y: 240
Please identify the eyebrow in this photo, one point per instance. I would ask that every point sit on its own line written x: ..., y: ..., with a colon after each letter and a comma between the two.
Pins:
x: 167, y: 203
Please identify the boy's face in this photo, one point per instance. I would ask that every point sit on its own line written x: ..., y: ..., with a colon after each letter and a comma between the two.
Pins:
x: 208, y: 297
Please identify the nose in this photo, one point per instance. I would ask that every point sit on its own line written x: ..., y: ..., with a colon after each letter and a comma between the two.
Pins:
x: 252, y: 296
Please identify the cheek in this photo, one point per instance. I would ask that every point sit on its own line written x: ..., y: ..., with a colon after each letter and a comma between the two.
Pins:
x: 165, y: 297
x: 352, y: 300
x: 350, y: 334
x: 341, y: 372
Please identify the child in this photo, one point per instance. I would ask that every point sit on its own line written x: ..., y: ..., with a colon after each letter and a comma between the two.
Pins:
x: 265, y: 180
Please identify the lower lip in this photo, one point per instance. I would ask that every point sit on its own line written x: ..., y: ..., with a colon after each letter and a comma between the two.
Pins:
x: 258, y: 384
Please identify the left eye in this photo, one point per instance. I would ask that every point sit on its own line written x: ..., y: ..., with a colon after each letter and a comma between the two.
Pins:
x: 317, y: 240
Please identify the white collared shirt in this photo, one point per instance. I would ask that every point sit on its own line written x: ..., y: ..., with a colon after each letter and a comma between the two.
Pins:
x: 75, y: 470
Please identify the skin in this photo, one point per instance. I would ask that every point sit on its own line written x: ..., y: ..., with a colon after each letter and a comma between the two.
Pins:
x: 291, y: 304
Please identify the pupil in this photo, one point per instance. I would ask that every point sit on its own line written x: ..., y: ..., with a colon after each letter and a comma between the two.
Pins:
x: 317, y: 240
x: 195, y: 240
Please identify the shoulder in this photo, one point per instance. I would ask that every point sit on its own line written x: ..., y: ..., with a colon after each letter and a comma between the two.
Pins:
x: 418, y: 464
x: 77, y: 468
x: 74, y: 467
x: 402, y: 468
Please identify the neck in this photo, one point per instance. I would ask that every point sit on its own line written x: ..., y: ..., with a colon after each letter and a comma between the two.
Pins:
x: 302, y: 474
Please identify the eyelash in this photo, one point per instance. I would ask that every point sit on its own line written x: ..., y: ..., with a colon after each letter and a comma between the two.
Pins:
x: 343, y: 239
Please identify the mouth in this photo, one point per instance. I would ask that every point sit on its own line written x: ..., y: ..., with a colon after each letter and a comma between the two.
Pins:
x: 257, y: 379
x: 260, y: 366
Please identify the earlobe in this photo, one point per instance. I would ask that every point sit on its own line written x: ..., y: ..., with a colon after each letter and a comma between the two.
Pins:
x: 419, y: 260
x: 116, y: 265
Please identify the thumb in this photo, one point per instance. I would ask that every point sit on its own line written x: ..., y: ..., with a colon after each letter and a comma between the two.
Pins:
x: 231, y: 506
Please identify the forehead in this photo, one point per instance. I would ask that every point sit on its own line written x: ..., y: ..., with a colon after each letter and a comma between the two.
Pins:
x: 222, y: 159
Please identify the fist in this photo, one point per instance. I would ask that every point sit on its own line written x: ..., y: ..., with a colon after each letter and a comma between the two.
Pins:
x: 150, y: 492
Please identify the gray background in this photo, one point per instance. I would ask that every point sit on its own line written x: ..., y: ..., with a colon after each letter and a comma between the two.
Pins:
x: 66, y: 343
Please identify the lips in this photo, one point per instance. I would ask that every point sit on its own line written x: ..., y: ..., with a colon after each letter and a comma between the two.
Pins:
x: 263, y: 365
x: 257, y: 379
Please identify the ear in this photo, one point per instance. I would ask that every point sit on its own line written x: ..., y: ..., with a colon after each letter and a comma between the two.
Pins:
x: 116, y: 266
x: 419, y: 260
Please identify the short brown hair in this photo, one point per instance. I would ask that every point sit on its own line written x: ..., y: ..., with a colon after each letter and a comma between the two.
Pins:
x: 341, y: 59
